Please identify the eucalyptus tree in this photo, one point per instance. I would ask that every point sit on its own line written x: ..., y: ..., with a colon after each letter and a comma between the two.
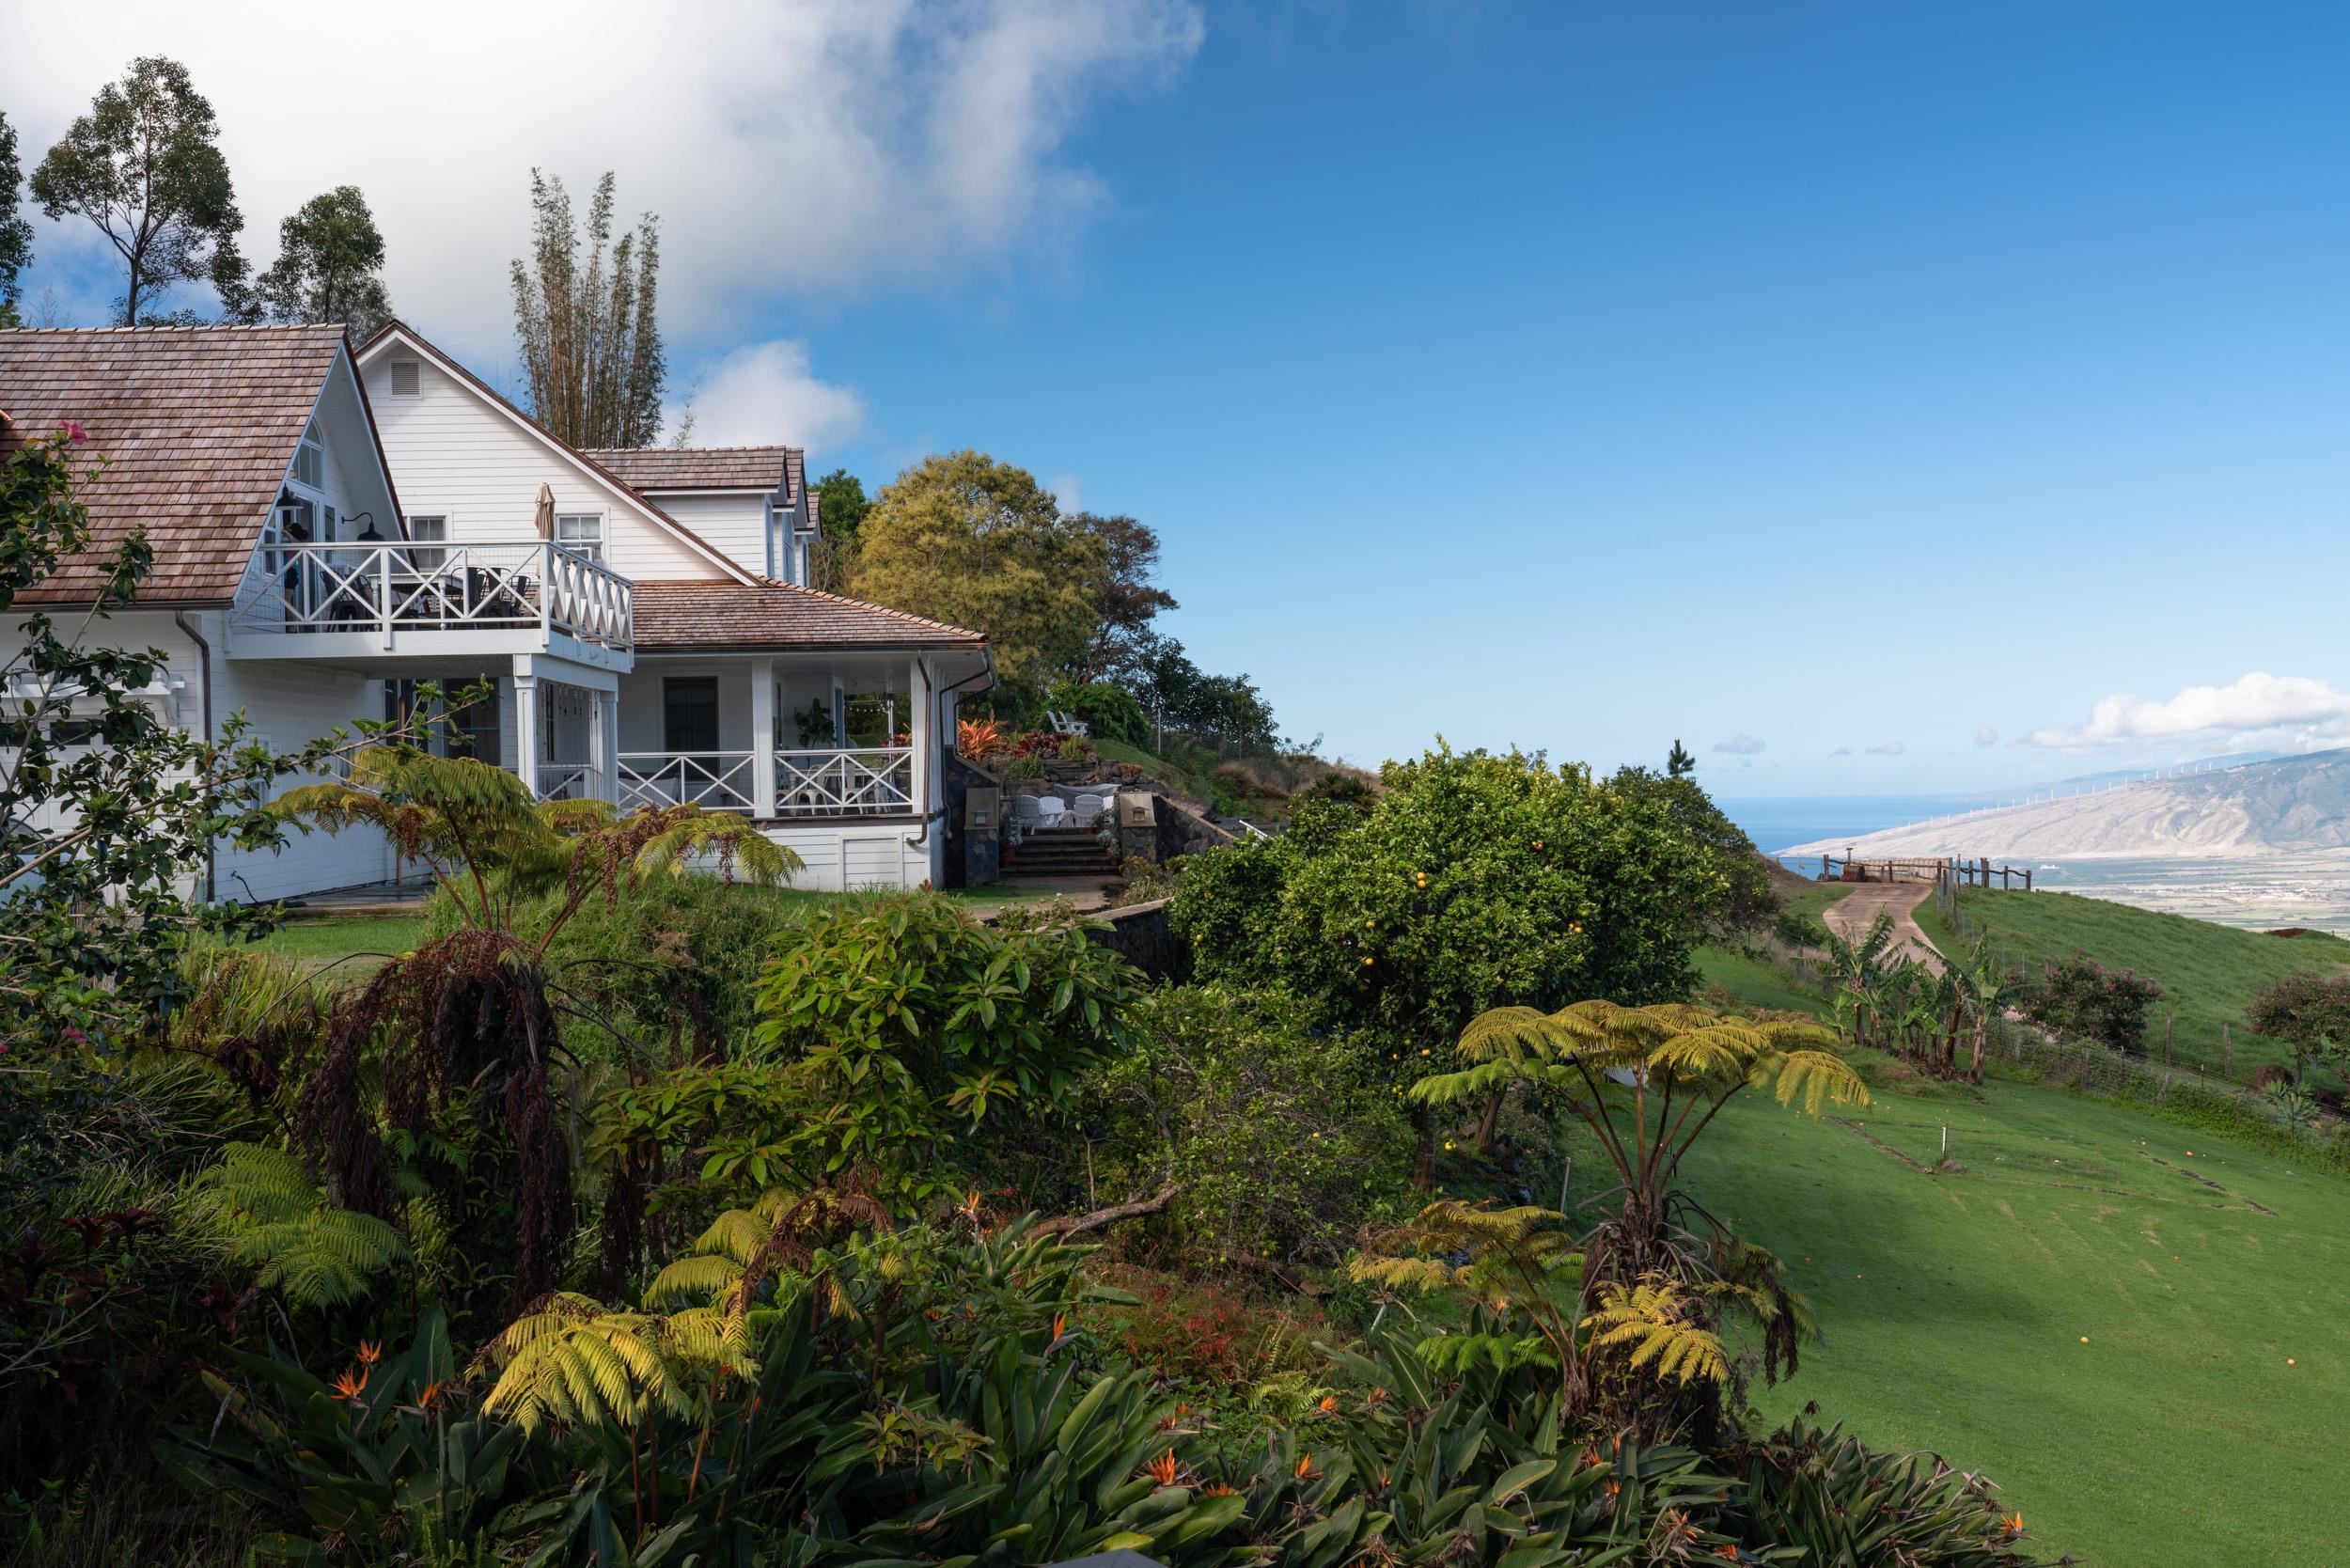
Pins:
x: 144, y: 166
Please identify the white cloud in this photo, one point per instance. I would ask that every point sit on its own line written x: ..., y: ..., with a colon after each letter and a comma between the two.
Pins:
x: 1069, y: 491
x: 1740, y: 744
x: 1841, y: 751
x: 2288, y: 707
x: 1986, y: 736
x: 823, y: 147
x: 765, y: 392
x: 1890, y: 749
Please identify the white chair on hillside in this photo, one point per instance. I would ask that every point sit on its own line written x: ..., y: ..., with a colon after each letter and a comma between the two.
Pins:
x: 1055, y: 811
x: 1027, y: 811
x: 1089, y: 809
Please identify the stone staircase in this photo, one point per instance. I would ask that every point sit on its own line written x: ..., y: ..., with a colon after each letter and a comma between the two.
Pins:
x: 1059, y: 851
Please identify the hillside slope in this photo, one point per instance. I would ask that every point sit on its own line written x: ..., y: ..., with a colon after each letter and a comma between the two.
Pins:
x: 2208, y: 973
x: 2289, y: 806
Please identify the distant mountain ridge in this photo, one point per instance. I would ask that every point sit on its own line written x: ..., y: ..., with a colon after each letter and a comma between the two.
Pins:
x: 2285, y: 804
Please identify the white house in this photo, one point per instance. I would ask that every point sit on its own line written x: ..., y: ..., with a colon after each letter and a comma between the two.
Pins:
x: 331, y: 530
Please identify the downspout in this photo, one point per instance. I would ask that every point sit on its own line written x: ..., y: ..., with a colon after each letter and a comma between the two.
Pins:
x: 938, y: 717
x: 204, y: 697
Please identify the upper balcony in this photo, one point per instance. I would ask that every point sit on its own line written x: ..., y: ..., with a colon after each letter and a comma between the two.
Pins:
x: 345, y: 603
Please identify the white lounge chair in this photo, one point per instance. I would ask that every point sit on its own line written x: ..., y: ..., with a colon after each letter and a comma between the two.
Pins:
x: 1089, y: 809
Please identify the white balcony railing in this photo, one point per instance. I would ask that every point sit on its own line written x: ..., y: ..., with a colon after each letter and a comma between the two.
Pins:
x: 399, y: 588
x: 717, y: 780
x: 569, y: 781
x: 868, y: 781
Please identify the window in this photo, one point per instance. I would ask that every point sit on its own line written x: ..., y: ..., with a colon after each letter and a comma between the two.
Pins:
x: 404, y: 378
x: 582, y: 532
x: 428, y: 530
x: 311, y: 460
x: 689, y: 713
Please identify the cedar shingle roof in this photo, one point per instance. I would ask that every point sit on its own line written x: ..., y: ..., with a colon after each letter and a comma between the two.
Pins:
x: 196, y: 424
x: 667, y: 468
x: 694, y: 615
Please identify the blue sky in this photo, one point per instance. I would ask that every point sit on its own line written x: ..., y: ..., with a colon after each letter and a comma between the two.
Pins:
x: 1856, y: 378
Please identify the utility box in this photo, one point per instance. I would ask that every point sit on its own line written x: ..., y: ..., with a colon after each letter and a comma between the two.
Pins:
x: 982, y: 807
x: 1135, y: 810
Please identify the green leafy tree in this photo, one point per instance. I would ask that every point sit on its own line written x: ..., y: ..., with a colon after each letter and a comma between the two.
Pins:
x: 964, y: 538
x: 16, y: 231
x: 329, y: 265
x: 592, y: 351
x: 1745, y: 901
x: 1129, y: 599
x: 841, y: 505
x: 2309, y: 1010
x: 107, y: 811
x: 1472, y: 881
x: 144, y: 167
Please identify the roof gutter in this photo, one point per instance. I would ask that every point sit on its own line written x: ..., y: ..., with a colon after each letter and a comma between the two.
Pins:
x: 937, y: 699
x: 204, y: 697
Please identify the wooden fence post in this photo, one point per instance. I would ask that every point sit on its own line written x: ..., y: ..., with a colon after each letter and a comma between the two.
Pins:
x: 2028, y: 879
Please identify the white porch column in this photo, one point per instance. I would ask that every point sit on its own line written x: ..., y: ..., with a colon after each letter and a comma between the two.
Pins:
x: 526, y: 732
x: 762, y: 738
x: 608, y: 743
x: 918, y: 735
x: 599, y: 759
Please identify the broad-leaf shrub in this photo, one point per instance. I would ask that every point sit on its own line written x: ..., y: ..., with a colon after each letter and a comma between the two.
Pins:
x: 1471, y: 881
x: 1279, y: 1142
x: 2082, y: 999
x: 908, y: 1023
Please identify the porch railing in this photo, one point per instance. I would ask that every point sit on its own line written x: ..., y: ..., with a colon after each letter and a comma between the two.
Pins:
x: 718, y: 781
x: 868, y: 781
x: 568, y: 781
x: 403, y: 586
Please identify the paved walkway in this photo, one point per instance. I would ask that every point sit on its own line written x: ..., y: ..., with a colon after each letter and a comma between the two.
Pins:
x: 1851, y: 917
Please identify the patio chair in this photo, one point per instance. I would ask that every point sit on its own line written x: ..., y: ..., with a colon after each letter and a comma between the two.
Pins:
x: 1067, y: 724
x: 1091, y: 808
x: 1027, y: 811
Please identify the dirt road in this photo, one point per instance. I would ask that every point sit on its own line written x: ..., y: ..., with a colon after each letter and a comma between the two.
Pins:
x: 1851, y: 916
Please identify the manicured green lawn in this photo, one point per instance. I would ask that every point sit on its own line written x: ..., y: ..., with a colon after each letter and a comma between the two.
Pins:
x: 1753, y: 984
x: 2096, y: 1318
x: 320, y: 941
x: 2208, y: 973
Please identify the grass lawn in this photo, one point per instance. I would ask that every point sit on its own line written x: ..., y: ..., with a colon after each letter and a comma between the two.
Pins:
x: 2208, y: 973
x: 2095, y: 1318
x: 326, y: 940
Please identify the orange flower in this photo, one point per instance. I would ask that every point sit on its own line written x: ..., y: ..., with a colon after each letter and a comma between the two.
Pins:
x: 1218, y: 1490
x: 1060, y: 1324
x: 1305, y: 1470
x: 1590, y: 1456
x: 1162, y: 1469
x: 1329, y: 1404
x: 369, y: 1353
x: 350, y: 1384
x: 1613, y: 1488
x: 430, y: 1395
x: 1727, y: 1553
x: 1378, y: 1396
x: 2013, y: 1523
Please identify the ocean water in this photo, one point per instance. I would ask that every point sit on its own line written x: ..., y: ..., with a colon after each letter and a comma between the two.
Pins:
x: 1774, y: 825
x: 2263, y: 893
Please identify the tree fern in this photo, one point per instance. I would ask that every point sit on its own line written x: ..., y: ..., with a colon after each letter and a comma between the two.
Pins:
x: 272, y: 1218
x: 1653, y: 1317
x: 572, y: 1360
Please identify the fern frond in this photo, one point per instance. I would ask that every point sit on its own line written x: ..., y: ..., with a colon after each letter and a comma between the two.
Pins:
x: 1652, y: 1317
x: 270, y: 1217
x: 1817, y: 1075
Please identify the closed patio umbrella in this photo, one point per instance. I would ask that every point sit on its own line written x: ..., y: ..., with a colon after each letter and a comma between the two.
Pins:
x: 543, y: 518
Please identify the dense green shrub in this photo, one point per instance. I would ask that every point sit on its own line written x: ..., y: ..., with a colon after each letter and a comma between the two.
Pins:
x: 1280, y: 1142
x: 1470, y: 882
x: 1109, y: 712
x: 2311, y: 1012
x: 906, y: 1022
x: 2079, y: 997
x: 1743, y: 900
x: 668, y: 959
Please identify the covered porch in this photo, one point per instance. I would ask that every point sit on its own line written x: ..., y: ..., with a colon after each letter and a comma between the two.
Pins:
x: 784, y: 738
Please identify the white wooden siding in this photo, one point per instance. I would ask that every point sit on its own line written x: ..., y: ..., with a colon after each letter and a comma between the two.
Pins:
x: 454, y: 454
x: 736, y: 525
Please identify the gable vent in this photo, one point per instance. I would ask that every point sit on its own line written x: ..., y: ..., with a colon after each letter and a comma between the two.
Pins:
x: 403, y: 378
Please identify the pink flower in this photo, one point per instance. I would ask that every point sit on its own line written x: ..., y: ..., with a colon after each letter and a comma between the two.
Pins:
x: 71, y: 429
